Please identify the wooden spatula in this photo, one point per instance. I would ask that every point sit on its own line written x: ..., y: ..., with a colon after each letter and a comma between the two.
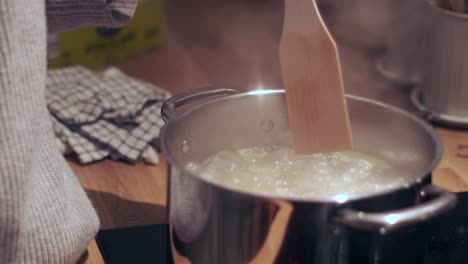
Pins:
x: 311, y: 71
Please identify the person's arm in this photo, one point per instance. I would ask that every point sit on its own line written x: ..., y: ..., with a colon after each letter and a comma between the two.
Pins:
x: 65, y: 15
x: 45, y: 216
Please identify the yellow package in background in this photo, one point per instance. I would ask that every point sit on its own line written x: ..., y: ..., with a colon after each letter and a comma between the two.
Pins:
x: 97, y: 47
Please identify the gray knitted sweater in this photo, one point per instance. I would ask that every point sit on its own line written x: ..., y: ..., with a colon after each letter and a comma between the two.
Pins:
x: 45, y: 216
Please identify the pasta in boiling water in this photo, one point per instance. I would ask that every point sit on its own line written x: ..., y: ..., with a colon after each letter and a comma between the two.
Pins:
x: 278, y: 171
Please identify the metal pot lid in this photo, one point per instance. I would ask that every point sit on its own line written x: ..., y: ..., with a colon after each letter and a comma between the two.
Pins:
x: 435, y: 117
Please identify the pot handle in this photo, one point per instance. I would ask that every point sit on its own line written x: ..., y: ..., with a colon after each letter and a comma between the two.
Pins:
x: 169, y: 107
x: 422, y: 111
x: 440, y: 202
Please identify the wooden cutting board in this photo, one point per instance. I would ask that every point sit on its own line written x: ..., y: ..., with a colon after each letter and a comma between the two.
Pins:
x: 452, y: 172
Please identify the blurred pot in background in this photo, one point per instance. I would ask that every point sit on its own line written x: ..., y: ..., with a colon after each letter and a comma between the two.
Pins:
x: 443, y: 93
x: 395, y: 27
x: 406, y: 43
x: 361, y: 23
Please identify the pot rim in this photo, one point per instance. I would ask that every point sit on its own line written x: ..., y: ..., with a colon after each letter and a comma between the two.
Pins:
x: 337, y: 199
x: 447, y: 119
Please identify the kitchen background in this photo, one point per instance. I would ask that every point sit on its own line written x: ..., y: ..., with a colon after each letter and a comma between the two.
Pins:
x: 236, y: 42
x: 180, y: 45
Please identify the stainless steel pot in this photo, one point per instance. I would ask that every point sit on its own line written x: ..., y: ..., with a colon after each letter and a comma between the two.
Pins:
x: 217, y: 224
x: 443, y: 93
x: 401, y: 61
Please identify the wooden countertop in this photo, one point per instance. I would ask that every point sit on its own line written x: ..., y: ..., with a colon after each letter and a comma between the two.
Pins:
x: 233, y: 43
x: 452, y: 172
x: 124, y: 195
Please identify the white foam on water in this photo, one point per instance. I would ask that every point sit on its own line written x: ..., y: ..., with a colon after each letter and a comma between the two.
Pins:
x: 278, y: 171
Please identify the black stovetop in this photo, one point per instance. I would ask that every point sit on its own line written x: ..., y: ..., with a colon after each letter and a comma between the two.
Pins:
x: 448, y: 243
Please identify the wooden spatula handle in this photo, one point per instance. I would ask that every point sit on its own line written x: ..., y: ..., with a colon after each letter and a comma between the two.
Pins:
x: 317, y: 110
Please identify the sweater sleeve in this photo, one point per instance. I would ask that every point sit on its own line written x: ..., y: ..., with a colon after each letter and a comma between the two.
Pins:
x: 45, y: 216
x: 63, y: 15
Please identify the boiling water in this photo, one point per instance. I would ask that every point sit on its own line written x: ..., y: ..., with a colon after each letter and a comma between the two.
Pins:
x: 278, y: 171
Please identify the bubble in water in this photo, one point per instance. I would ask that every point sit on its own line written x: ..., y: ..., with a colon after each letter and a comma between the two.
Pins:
x: 267, y: 125
x: 185, y: 146
x: 336, y: 231
x: 277, y: 170
x: 383, y: 231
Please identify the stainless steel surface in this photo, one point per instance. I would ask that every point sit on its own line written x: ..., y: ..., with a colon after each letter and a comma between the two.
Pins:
x: 398, y: 72
x: 386, y: 222
x: 169, y: 107
x: 440, y: 118
x: 218, y: 224
x: 401, y: 61
x: 444, y: 88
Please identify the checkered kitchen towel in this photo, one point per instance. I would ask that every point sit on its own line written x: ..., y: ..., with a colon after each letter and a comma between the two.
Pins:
x: 104, y: 115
